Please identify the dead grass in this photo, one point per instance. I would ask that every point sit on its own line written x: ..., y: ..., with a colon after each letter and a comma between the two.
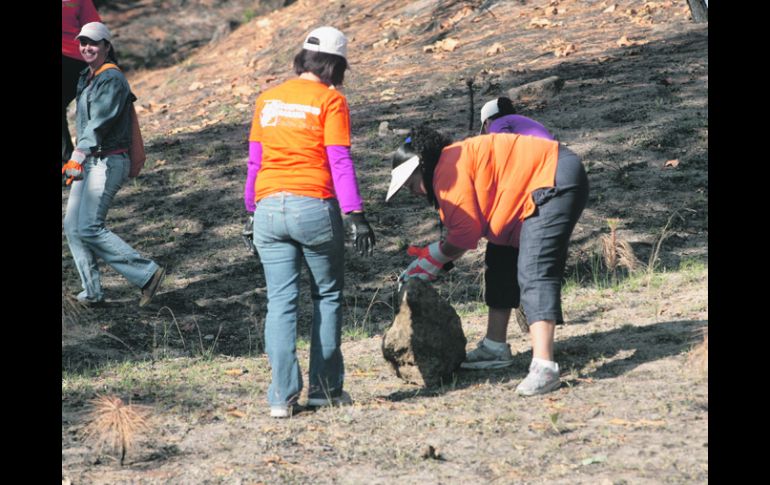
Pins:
x: 617, y: 252
x: 115, y: 424
x: 72, y: 311
x: 699, y: 355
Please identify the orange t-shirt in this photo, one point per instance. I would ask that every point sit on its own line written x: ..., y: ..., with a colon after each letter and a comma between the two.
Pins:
x: 295, y: 121
x: 484, y: 184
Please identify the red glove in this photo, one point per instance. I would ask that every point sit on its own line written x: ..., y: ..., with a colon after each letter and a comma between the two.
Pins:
x: 429, y: 263
x: 74, y: 171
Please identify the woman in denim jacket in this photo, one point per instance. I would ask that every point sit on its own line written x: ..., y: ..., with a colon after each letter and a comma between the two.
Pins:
x: 98, y: 167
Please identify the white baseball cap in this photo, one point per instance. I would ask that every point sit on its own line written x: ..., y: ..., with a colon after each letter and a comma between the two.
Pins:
x: 400, y: 174
x: 328, y: 40
x: 489, y: 109
x: 95, y: 31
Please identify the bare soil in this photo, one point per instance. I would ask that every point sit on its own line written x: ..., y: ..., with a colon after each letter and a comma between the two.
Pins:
x: 633, y: 410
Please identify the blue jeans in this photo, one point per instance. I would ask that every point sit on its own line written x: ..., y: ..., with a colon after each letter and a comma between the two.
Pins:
x: 87, y: 207
x: 286, y: 228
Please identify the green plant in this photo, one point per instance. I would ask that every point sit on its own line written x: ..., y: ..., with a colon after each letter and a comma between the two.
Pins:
x: 361, y: 327
x: 248, y: 14
x: 553, y: 418
x: 165, y: 334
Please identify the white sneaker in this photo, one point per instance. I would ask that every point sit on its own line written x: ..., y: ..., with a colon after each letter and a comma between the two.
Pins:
x: 540, y: 380
x: 343, y: 399
x: 482, y: 357
x: 83, y: 298
x: 283, y: 411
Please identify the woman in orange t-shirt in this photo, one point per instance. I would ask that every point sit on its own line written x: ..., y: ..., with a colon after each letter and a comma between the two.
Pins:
x: 300, y: 178
x: 513, y: 190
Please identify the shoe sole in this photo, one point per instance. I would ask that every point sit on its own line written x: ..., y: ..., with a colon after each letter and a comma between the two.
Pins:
x: 542, y: 390
x: 486, y: 365
x: 322, y: 402
x: 153, y: 288
x: 325, y: 403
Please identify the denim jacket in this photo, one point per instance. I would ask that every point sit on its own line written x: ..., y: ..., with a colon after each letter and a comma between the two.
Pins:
x: 102, y: 119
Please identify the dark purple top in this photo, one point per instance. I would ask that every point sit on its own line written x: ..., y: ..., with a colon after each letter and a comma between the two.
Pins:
x: 520, y: 125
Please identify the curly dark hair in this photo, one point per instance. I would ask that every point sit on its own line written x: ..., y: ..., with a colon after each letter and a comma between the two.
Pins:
x: 426, y: 143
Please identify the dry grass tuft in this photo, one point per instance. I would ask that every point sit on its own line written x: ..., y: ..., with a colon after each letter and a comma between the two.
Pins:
x: 699, y: 355
x: 115, y: 424
x: 72, y: 310
x: 617, y: 252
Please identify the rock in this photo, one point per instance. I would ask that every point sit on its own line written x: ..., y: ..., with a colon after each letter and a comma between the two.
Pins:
x: 426, y: 343
x: 544, y: 88
x: 383, y: 129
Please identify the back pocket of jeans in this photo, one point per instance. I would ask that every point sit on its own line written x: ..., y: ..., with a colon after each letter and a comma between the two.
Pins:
x: 314, y: 224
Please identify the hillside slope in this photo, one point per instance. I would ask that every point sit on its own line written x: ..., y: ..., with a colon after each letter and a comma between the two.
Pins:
x: 634, y: 105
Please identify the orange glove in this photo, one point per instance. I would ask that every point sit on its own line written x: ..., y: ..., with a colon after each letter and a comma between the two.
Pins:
x: 73, y: 170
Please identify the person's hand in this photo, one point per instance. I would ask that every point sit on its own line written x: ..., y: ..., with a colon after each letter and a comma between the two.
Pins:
x: 73, y: 170
x: 429, y: 263
x: 362, y: 234
x: 248, y: 235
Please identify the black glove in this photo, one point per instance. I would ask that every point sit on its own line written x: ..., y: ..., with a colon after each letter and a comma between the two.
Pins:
x: 362, y: 234
x: 248, y: 235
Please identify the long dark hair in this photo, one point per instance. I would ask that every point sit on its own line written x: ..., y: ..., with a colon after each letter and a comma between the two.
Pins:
x: 426, y: 143
x: 329, y: 67
x: 112, y: 57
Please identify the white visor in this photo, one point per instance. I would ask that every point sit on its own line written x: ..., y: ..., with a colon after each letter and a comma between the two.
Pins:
x: 489, y: 109
x: 401, y: 174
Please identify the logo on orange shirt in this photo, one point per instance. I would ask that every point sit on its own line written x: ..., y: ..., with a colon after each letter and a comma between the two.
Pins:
x: 275, y: 109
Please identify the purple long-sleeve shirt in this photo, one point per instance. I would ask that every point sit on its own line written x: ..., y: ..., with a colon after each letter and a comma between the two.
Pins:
x: 519, y: 124
x: 341, y: 166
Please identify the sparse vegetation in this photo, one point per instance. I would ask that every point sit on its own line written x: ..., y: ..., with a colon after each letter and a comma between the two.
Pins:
x: 115, y: 424
x: 630, y: 352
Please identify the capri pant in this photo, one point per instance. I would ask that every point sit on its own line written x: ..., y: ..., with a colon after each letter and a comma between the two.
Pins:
x: 531, y: 275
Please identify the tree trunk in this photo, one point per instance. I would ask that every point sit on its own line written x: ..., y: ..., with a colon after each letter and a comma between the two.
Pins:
x: 699, y: 10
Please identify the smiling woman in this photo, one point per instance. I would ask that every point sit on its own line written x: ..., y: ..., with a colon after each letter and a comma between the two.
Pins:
x: 98, y: 167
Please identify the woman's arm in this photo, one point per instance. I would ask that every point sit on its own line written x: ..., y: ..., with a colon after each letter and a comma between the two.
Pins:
x: 344, y: 177
x: 255, y: 161
x: 451, y: 251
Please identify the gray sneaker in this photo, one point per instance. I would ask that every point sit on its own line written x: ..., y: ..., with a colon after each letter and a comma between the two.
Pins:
x: 482, y: 357
x: 343, y: 399
x: 540, y: 380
